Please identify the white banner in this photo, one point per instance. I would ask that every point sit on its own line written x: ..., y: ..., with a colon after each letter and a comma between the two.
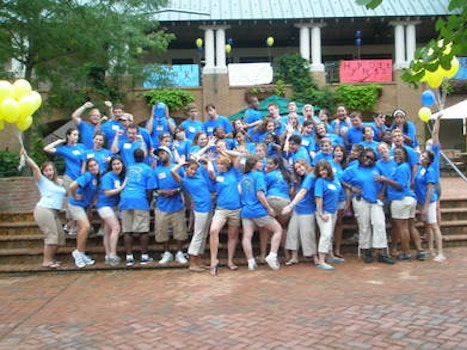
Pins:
x: 247, y: 74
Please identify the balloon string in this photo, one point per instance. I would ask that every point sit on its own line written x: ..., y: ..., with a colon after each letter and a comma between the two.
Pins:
x: 22, y: 159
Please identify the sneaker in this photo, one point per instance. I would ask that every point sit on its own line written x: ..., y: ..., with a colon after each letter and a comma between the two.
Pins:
x: 130, y: 260
x: 100, y: 232
x: 335, y: 260
x: 87, y: 259
x: 73, y: 231
x: 166, y: 258
x: 79, y: 260
x: 273, y: 262
x: 368, y: 259
x: 66, y: 228
x: 107, y: 260
x: 325, y: 267
x: 383, y: 258
x: 180, y: 258
x: 114, y: 260
x: 421, y: 255
x: 439, y: 258
x: 145, y: 259
x: 252, y: 265
x: 404, y: 257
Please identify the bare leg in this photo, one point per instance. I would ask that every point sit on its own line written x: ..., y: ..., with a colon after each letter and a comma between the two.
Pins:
x: 82, y: 234
x: 49, y: 254
x: 338, y: 231
x: 232, y: 233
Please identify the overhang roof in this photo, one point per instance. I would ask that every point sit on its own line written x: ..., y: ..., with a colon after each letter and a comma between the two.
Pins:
x: 238, y: 10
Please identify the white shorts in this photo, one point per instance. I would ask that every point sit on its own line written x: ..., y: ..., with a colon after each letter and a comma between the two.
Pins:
x: 403, y: 208
x: 107, y: 212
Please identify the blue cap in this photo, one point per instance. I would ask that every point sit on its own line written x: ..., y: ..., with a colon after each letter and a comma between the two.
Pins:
x: 159, y: 110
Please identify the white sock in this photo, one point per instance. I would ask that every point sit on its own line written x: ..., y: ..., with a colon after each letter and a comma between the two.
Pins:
x: 273, y: 255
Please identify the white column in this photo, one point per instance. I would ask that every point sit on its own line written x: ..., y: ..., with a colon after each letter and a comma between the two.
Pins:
x: 220, y: 50
x: 304, y: 41
x: 208, y: 50
x: 410, y: 42
x: 399, y: 46
x: 316, y: 59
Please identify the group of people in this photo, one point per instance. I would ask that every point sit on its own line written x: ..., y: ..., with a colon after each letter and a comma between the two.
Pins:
x: 292, y: 178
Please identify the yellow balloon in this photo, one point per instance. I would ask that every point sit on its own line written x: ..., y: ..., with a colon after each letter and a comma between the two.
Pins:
x: 270, y: 41
x: 9, y: 109
x: 26, y: 106
x: 37, y: 100
x: 24, y: 124
x: 454, y: 68
x: 2, y: 125
x: 21, y: 88
x: 6, y: 90
x: 228, y: 48
x: 199, y: 42
x: 434, y: 79
x: 424, y: 114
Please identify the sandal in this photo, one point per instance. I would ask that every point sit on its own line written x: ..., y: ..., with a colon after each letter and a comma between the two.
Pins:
x: 291, y: 262
x: 213, y: 270
x: 232, y: 267
x: 51, y: 265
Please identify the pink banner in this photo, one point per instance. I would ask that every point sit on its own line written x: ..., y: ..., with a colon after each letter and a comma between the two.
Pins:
x: 365, y: 71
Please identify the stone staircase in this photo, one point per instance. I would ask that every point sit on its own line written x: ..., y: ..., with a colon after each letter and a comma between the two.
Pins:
x: 21, y: 241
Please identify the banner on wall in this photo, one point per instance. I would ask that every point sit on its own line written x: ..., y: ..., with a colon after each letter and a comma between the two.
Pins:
x: 246, y: 74
x: 177, y: 75
x: 462, y: 73
x: 365, y: 71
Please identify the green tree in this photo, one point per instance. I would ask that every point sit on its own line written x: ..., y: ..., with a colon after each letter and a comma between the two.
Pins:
x: 70, y: 43
x: 451, y: 40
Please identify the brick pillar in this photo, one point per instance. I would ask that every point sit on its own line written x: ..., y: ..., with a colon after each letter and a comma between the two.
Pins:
x: 216, y: 90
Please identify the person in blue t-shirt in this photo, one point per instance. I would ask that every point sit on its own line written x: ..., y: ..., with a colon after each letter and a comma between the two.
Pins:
x: 256, y: 212
x: 363, y: 191
x: 403, y: 205
x: 134, y: 205
x: 354, y: 133
x: 424, y: 184
x: 214, y: 120
x: 293, y: 150
x: 169, y: 209
x: 252, y: 117
x: 368, y: 138
x: 83, y: 192
x: 380, y: 130
x: 302, y: 223
x: 192, y: 125
x: 225, y: 175
x: 87, y: 129
x: 98, y: 152
x: 125, y: 144
x: 195, y: 183
x: 108, y: 198
x: 118, y: 121
x: 406, y: 127
x: 342, y: 121
x: 327, y: 192
x: 159, y: 122
x: 181, y: 143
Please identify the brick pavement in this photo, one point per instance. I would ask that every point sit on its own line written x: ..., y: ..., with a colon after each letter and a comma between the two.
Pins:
x: 411, y: 305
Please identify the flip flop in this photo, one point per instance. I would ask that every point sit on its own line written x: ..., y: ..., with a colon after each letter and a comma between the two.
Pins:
x: 52, y: 265
x: 232, y: 267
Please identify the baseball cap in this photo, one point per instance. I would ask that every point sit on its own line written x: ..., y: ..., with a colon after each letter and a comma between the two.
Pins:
x: 162, y: 148
x: 125, y: 117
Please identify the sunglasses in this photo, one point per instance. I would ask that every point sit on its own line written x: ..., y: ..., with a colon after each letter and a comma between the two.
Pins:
x: 370, y: 158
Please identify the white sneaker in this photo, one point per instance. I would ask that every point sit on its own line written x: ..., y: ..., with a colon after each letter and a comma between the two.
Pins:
x: 130, y: 260
x: 180, y: 258
x: 273, y: 262
x: 79, y: 260
x: 166, y: 258
x: 252, y: 265
x: 87, y: 259
x: 101, y: 232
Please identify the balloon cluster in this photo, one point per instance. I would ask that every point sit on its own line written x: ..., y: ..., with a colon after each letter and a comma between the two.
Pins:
x: 435, y: 78
x: 18, y: 103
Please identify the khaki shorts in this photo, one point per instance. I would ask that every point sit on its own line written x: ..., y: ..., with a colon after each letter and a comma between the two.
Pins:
x: 231, y: 217
x: 135, y: 220
x: 108, y: 212
x: 164, y: 220
x: 431, y: 217
x: 258, y: 222
x: 76, y: 212
x: 403, y: 208
x: 278, y: 203
x: 49, y: 223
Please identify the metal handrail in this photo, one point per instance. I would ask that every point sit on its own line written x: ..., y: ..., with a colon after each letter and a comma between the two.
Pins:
x: 456, y: 169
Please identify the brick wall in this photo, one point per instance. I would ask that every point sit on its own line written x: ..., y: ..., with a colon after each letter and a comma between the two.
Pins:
x: 18, y: 194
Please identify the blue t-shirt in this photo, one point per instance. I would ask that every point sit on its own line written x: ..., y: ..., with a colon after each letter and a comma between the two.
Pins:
x: 363, y: 178
x: 198, y: 189
x: 378, y: 131
x: 423, y: 177
x: 329, y: 191
x: 87, y: 188
x: 402, y: 175
x: 127, y: 149
x: 308, y: 141
x: 165, y: 181
x: 210, y: 125
x: 192, y: 127
x: 307, y: 205
x: 73, y: 156
x: 276, y: 185
x: 320, y: 156
x: 109, y: 129
x: 102, y: 157
x: 226, y: 187
x: 86, y: 133
x: 386, y: 167
x: 292, y: 157
x: 140, y: 180
x: 251, y: 183
x: 159, y: 126
x: 109, y: 181
x: 435, y: 165
x: 184, y: 148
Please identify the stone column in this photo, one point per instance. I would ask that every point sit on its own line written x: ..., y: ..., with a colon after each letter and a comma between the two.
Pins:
x: 316, y: 59
x: 221, y: 67
x: 208, y: 50
x: 304, y: 40
x: 410, y: 41
x: 399, y: 52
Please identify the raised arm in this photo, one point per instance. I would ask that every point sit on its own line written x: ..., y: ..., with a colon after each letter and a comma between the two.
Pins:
x: 435, y: 133
x: 51, y: 148
x: 174, y: 172
x: 76, y: 115
x: 36, y: 171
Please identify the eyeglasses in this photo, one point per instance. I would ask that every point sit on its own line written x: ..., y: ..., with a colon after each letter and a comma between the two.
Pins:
x: 370, y: 158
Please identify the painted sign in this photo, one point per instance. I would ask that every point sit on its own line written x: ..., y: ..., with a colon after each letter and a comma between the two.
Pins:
x: 365, y: 71
x: 178, y: 75
x: 462, y: 72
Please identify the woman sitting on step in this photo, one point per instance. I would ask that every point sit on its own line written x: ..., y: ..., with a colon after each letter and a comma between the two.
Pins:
x: 52, y: 193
